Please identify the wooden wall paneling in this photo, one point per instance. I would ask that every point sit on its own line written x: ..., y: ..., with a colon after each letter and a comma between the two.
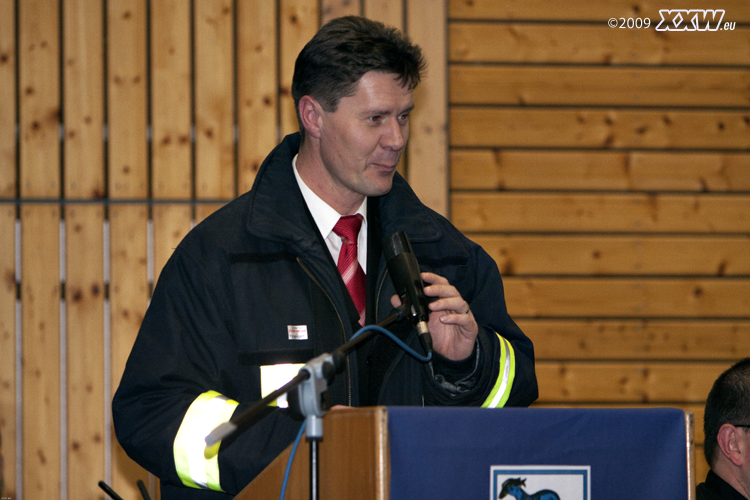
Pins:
x: 701, y: 465
x: 606, y: 86
x: 171, y: 224
x: 298, y: 23
x: 388, y: 12
x: 650, y: 129
x: 504, y: 169
x: 597, y: 10
x: 171, y: 152
x: 84, y: 298
x: 39, y: 96
x: 574, y: 43
x: 214, y: 99
x: 615, y: 255
x: 7, y: 99
x: 427, y: 166
x: 331, y: 9
x: 617, y: 382
x: 40, y: 306
x: 257, y: 87
x: 127, y: 104
x: 628, y: 297
x: 83, y: 99
x: 639, y: 339
x: 600, y: 128
x: 129, y: 294
x: 8, y: 424
x: 594, y: 212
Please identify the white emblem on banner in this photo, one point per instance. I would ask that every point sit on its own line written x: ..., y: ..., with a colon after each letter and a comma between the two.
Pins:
x: 542, y: 482
x: 297, y: 332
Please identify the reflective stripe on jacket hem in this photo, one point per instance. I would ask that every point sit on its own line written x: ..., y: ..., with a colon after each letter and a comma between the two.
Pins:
x: 500, y: 392
x: 195, y: 468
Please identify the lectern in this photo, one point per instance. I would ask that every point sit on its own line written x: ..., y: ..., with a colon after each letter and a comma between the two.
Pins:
x: 451, y: 453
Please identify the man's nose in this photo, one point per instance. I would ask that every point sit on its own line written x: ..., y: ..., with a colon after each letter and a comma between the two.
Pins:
x: 395, y: 136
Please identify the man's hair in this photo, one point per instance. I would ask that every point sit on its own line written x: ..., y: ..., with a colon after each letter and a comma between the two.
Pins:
x: 727, y: 403
x: 343, y: 50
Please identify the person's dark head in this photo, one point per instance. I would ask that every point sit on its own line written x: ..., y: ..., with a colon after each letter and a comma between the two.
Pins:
x: 343, y: 50
x: 727, y: 403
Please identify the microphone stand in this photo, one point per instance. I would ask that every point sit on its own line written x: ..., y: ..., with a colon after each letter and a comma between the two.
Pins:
x: 312, y: 383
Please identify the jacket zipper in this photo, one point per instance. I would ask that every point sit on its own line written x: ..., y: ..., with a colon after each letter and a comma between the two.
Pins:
x: 377, y: 295
x: 377, y: 303
x: 341, y: 322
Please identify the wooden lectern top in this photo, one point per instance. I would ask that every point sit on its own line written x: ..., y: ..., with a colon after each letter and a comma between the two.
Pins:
x: 353, y: 457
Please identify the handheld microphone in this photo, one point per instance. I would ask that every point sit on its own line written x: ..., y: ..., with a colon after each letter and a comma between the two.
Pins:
x: 404, y: 269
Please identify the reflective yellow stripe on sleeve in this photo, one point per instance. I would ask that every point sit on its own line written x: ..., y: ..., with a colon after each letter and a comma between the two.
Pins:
x: 500, y: 392
x: 209, y: 410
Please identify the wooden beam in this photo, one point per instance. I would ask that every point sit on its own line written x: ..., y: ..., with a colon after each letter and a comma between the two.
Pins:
x: 599, y: 128
x: 615, y: 255
x: 171, y: 88
x: 507, y: 169
x: 634, y: 298
x: 597, y: 212
x: 599, y: 86
x: 214, y: 100
x: 576, y: 43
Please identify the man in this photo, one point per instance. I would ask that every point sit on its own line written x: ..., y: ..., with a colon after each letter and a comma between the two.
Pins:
x: 259, y: 283
x: 726, y: 425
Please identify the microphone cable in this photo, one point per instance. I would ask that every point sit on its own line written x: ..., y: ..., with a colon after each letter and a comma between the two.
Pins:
x: 379, y: 329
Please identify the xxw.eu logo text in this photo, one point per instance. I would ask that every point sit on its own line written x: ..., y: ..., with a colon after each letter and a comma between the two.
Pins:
x: 691, y: 20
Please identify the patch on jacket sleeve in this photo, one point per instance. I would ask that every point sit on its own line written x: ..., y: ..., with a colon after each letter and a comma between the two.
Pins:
x: 272, y: 377
x: 297, y: 332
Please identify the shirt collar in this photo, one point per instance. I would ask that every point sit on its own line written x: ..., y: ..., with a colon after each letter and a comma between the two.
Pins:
x: 324, y: 215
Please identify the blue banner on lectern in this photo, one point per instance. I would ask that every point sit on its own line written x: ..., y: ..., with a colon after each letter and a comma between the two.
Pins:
x: 559, y: 454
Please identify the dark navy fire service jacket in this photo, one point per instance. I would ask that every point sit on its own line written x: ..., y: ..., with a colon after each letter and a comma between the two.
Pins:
x: 254, y: 285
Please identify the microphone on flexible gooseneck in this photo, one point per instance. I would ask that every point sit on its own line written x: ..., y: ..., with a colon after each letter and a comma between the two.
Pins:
x: 404, y: 269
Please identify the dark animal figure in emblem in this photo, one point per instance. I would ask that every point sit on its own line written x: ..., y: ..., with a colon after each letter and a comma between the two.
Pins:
x: 512, y: 486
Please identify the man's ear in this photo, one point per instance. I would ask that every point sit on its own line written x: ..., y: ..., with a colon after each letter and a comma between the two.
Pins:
x: 310, y: 113
x: 729, y: 445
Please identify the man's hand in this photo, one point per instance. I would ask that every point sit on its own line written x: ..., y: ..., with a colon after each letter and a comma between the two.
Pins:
x: 452, y: 324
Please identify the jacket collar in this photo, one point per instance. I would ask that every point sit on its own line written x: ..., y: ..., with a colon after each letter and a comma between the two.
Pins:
x: 277, y: 209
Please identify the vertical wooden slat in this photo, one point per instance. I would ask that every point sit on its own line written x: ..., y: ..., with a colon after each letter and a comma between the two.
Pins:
x: 40, y: 304
x: 214, y: 101
x: 84, y: 298
x: 331, y: 9
x: 39, y: 98
x: 171, y: 224
x: 126, y: 106
x: 8, y: 424
x: 388, y: 12
x: 7, y: 99
x: 298, y: 23
x: 428, y: 143
x: 170, y: 99
x: 83, y: 99
x: 128, y: 300
x: 256, y: 86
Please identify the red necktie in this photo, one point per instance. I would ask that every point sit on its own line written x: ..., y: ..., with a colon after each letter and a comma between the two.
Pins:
x: 354, y: 277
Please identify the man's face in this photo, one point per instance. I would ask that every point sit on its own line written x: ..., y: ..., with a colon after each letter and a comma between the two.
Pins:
x: 362, y: 141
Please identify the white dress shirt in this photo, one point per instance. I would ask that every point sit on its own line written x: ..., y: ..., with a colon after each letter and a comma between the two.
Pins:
x: 326, y: 218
